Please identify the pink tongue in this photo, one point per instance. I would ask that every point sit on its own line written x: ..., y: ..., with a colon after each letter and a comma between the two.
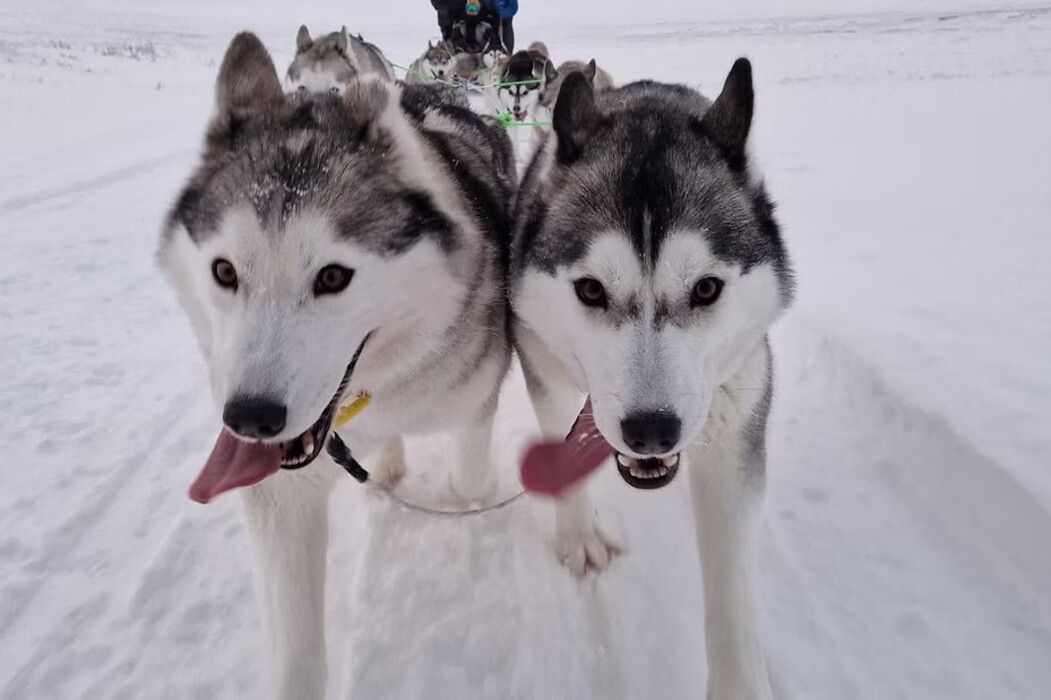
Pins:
x: 232, y: 464
x: 551, y: 468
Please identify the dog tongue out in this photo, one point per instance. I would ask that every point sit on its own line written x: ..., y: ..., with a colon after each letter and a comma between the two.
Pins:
x: 232, y: 464
x: 551, y: 468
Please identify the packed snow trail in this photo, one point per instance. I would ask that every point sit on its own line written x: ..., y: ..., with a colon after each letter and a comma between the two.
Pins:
x: 903, y: 552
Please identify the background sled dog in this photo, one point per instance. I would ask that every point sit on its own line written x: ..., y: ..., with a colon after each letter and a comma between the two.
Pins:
x: 438, y: 62
x: 526, y: 85
x: 599, y: 79
x: 331, y: 61
x: 647, y: 268
x: 320, y: 225
x: 519, y: 81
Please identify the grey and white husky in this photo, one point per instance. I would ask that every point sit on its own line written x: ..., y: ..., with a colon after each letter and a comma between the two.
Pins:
x: 646, y: 271
x: 330, y: 62
x: 599, y: 79
x: 438, y: 62
x: 320, y: 229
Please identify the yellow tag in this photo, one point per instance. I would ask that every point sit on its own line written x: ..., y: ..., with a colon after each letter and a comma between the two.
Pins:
x: 353, y: 408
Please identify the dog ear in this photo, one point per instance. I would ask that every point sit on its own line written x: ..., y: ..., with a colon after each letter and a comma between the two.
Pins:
x: 342, y: 39
x: 590, y: 70
x: 430, y: 45
x: 246, y: 87
x: 575, y: 113
x: 729, y: 119
x: 550, y: 73
x: 303, y: 40
x: 247, y: 82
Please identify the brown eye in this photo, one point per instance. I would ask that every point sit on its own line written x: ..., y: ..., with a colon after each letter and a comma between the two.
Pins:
x: 706, y: 291
x: 224, y: 273
x: 590, y: 292
x: 332, y: 279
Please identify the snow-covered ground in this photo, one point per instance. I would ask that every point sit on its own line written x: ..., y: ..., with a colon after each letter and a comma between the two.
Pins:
x: 905, y: 552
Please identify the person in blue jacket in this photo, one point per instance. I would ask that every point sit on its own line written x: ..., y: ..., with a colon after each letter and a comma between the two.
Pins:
x: 470, y: 24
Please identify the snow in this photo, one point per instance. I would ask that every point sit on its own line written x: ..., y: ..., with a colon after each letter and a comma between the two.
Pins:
x: 904, y: 549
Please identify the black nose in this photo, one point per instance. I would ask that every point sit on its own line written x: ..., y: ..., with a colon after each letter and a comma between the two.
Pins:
x: 651, y: 433
x: 254, y: 416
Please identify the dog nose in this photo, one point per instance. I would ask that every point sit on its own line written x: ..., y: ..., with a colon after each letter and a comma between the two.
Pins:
x: 651, y: 433
x: 254, y: 416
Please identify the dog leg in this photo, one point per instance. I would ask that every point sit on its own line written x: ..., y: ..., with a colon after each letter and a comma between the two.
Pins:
x: 581, y: 544
x: 390, y: 467
x: 287, y: 517
x: 727, y: 483
x: 473, y: 478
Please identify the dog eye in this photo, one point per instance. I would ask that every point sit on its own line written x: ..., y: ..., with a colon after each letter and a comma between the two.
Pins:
x: 334, y: 90
x: 224, y: 273
x: 302, y: 89
x: 706, y: 291
x: 332, y: 279
x: 591, y: 292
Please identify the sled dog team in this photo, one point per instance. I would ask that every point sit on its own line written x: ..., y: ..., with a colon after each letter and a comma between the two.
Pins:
x: 349, y: 235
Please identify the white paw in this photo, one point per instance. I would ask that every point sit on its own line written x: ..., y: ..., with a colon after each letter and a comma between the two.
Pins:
x: 587, y: 548
x: 471, y: 490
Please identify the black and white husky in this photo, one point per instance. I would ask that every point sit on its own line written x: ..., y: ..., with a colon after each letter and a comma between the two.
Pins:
x: 330, y: 62
x: 527, y: 83
x: 314, y: 228
x: 647, y: 269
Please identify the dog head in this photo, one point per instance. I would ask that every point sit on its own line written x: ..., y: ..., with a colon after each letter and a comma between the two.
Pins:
x: 647, y: 257
x: 439, y: 61
x: 310, y: 223
x: 326, y: 64
x: 520, y: 81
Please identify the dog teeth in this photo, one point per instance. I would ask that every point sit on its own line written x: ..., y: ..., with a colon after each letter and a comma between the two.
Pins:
x: 624, y: 461
x: 308, y: 444
x: 663, y: 471
x: 671, y: 461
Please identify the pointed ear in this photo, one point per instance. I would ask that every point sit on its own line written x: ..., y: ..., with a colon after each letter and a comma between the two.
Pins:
x: 729, y: 119
x: 303, y: 40
x: 549, y: 71
x: 590, y: 70
x: 247, y: 82
x: 343, y: 39
x: 575, y: 113
x: 429, y: 45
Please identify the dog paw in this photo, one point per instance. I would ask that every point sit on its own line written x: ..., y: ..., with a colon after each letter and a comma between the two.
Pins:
x: 586, y: 549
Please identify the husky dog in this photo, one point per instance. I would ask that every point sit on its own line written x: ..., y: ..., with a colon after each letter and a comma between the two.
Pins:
x: 330, y: 62
x: 520, y: 79
x: 526, y: 85
x: 646, y: 271
x: 600, y: 79
x: 438, y: 62
x: 319, y: 230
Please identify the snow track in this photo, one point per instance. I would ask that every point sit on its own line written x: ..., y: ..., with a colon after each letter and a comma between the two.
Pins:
x: 904, y: 549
